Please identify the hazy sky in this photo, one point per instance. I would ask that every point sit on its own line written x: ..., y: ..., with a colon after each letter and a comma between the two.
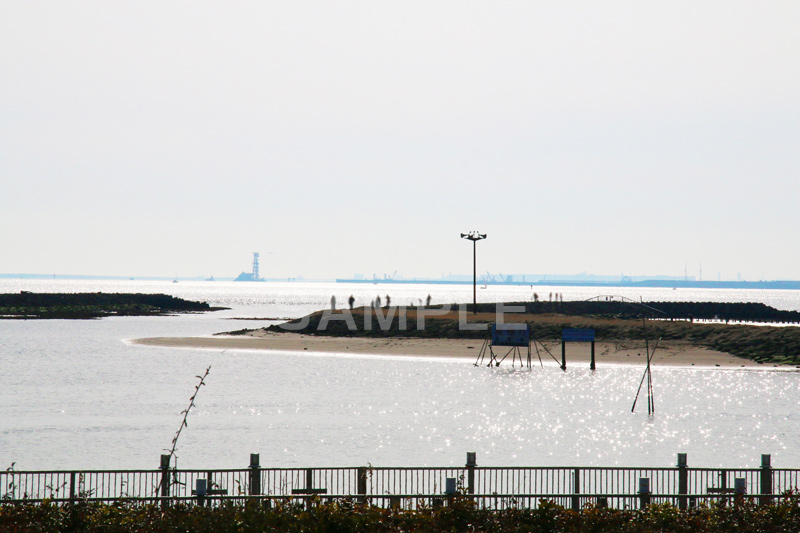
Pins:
x: 154, y: 138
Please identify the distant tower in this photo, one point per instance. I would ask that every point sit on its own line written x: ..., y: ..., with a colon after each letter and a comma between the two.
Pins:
x: 256, y: 277
x: 251, y: 276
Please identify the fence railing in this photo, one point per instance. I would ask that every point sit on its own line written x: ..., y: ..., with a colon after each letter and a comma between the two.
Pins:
x: 489, y: 487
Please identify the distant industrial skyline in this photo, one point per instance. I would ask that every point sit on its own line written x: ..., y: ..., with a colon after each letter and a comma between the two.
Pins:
x: 163, y: 138
x: 464, y: 277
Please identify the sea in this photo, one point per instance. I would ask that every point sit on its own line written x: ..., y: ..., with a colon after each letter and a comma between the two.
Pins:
x: 77, y: 394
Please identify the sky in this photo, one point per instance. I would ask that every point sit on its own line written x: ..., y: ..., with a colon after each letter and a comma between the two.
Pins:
x: 144, y: 138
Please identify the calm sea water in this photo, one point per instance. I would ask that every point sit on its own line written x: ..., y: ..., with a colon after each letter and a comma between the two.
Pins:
x: 74, y: 394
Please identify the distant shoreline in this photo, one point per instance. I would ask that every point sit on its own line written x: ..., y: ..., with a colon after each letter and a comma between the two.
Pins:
x: 650, y: 283
x: 659, y: 283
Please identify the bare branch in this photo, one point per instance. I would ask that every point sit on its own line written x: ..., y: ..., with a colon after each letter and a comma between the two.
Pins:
x: 186, y: 411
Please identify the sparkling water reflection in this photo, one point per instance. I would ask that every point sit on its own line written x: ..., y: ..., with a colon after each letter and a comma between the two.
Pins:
x: 75, y: 396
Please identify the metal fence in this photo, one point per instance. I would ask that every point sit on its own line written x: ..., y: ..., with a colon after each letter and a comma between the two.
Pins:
x: 410, y: 488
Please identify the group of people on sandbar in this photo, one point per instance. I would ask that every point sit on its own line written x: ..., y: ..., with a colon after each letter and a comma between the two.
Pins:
x: 376, y: 302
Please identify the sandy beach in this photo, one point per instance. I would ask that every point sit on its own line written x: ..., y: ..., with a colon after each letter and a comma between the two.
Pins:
x: 671, y: 354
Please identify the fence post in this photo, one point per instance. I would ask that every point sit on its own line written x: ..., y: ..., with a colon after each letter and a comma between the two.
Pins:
x: 683, y: 482
x: 471, y: 464
x: 394, y: 502
x: 592, y: 366
x: 576, y: 489
x: 72, y: 487
x: 723, y: 485
x: 309, y: 485
x: 563, y: 355
x: 255, y: 475
x: 739, y: 490
x: 766, y: 480
x: 644, y: 492
x: 361, y: 481
x: 450, y: 489
x: 200, y: 490
x: 165, y: 480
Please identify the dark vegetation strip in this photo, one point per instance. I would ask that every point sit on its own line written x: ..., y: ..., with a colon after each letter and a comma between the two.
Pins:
x: 348, y: 516
x: 738, y: 312
x: 27, y: 305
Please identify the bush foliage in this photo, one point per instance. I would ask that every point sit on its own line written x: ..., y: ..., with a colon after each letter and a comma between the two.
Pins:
x: 348, y: 516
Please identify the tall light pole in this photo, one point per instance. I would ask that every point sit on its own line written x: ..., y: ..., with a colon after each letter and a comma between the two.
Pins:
x: 474, y: 236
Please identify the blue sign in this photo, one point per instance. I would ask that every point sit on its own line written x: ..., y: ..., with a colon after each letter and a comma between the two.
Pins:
x: 577, y: 335
x: 511, y: 335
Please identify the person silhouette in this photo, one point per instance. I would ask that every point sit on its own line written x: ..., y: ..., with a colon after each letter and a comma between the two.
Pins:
x: 351, y: 301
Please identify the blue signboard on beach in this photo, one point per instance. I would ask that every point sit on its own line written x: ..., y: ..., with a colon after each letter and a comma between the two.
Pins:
x: 511, y: 335
x: 577, y: 335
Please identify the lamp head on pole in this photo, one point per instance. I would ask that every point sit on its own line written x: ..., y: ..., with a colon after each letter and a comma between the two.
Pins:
x: 473, y: 236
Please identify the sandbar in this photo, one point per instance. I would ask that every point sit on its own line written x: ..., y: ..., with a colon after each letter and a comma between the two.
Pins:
x: 672, y: 353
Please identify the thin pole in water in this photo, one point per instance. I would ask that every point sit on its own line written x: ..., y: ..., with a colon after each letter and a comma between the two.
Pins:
x: 651, y: 407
